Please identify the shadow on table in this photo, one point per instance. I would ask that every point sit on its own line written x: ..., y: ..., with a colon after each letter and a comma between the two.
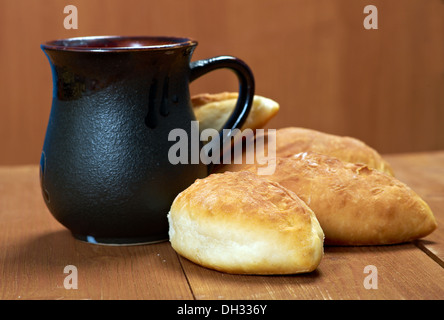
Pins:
x: 57, y: 249
x: 333, y: 249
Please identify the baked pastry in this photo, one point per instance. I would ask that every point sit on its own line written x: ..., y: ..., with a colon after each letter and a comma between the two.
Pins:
x: 213, y: 110
x: 294, y: 140
x: 355, y: 205
x: 243, y: 224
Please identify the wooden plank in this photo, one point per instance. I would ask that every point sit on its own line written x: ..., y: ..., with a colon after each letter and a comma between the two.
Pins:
x: 424, y: 173
x: 35, y: 248
x: 313, y: 57
x: 403, y: 272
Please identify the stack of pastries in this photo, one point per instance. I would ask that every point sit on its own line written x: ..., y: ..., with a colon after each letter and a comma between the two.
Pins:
x: 325, y: 190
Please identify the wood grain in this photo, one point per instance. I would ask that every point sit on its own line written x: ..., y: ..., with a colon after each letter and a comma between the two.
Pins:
x: 424, y: 173
x: 35, y: 248
x: 315, y: 58
x: 404, y: 272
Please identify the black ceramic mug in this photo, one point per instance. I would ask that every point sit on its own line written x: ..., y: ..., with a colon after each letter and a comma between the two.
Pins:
x: 104, y: 171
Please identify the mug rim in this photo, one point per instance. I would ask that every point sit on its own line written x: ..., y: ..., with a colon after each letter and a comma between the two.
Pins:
x: 86, y: 44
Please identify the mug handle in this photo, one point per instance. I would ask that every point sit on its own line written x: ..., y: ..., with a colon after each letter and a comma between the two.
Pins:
x: 246, y: 92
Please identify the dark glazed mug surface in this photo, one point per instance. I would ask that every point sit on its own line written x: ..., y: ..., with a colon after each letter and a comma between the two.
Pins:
x: 104, y: 170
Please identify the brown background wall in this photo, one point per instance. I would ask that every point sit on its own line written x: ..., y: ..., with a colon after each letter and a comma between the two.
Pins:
x: 315, y: 58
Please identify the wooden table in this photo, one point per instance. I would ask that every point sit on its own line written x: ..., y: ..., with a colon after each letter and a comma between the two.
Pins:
x: 35, y: 249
